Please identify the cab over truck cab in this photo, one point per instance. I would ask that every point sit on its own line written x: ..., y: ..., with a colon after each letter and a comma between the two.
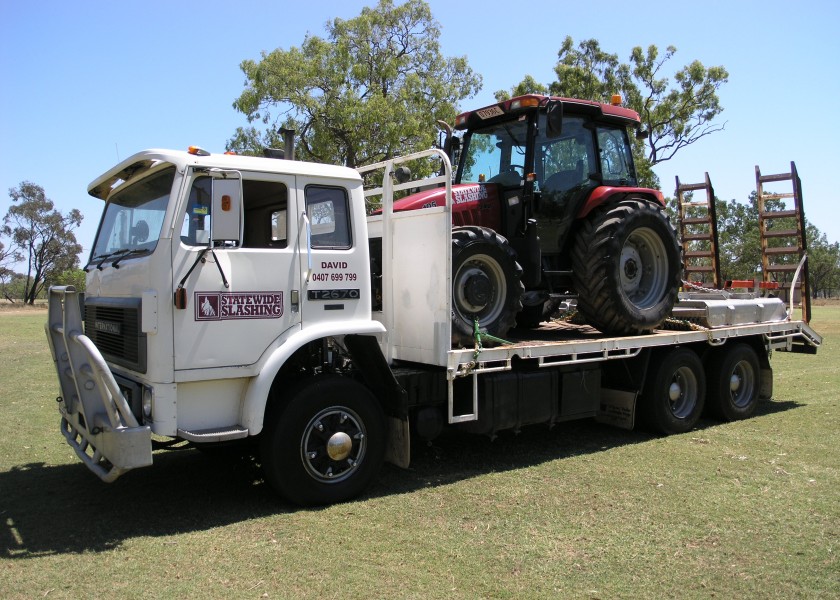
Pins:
x: 216, y: 285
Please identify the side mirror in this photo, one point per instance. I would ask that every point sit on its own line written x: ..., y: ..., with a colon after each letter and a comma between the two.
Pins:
x: 554, y: 118
x: 226, y: 208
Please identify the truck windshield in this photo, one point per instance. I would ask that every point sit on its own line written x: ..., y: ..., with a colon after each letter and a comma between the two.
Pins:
x: 133, y: 217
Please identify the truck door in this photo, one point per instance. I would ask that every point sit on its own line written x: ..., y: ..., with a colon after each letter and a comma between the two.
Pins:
x: 333, y: 263
x: 234, y: 325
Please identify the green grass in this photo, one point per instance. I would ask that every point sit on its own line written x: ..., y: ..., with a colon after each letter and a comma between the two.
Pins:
x: 748, y: 509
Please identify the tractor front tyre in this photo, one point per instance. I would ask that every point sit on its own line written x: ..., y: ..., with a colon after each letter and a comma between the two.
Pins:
x: 627, y: 267
x: 486, y: 284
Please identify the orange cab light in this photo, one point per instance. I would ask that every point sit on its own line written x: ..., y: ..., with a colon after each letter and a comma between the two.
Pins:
x: 461, y: 119
x: 197, y: 151
x: 230, y: 153
x: 526, y: 102
x: 531, y: 177
x: 616, y: 100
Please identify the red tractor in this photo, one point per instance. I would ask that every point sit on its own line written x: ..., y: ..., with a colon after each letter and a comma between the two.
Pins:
x: 554, y: 213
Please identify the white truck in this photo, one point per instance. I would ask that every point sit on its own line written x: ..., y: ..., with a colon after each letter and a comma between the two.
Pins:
x: 234, y: 298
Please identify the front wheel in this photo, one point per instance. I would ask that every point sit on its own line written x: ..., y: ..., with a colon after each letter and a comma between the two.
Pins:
x: 627, y: 267
x: 327, y: 444
x: 674, y: 393
x: 486, y: 284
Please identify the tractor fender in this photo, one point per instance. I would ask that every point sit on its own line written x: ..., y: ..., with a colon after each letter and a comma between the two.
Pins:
x: 605, y: 193
x: 252, y: 412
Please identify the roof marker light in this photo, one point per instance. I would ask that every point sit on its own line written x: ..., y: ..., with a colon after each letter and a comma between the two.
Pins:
x: 524, y: 102
x: 196, y: 151
x: 616, y: 100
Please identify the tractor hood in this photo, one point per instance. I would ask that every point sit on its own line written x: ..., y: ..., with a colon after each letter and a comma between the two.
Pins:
x: 472, y: 203
x: 465, y: 196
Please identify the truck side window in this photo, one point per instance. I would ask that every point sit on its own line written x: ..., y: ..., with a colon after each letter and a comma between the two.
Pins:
x: 195, y: 230
x: 265, y: 204
x: 328, y: 210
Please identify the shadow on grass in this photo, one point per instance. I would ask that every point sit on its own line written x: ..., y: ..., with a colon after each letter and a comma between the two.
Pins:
x: 63, y: 509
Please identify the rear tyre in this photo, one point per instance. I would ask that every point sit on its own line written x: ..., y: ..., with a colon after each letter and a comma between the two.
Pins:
x: 327, y: 444
x: 627, y: 267
x: 486, y: 284
x: 734, y: 379
x: 673, y: 397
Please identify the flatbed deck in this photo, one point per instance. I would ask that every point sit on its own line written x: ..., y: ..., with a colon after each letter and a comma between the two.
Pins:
x: 562, y: 342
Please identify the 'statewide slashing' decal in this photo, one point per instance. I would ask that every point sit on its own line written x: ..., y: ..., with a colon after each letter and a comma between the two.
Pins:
x: 221, y: 306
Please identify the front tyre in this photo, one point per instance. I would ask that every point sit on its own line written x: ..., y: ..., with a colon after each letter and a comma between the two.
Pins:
x: 486, y: 284
x: 627, y: 267
x: 327, y: 444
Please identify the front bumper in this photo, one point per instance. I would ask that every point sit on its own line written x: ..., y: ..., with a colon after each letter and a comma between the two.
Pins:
x: 96, y: 420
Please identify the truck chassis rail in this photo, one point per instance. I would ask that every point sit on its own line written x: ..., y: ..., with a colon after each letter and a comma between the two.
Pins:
x: 96, y: 419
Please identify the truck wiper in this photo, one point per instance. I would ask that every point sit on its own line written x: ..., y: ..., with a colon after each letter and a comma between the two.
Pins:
x: 135, y: 252
x: 103, y: 258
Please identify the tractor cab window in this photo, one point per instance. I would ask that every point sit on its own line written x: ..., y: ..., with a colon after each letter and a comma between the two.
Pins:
x: 616, y: 156
x: 565, y: 162
x: 496, y: 154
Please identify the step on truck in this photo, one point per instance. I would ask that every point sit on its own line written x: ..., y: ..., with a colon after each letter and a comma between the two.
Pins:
x: 234, y: 299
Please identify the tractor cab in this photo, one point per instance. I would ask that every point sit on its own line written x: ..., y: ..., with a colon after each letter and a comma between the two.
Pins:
x: 545, y: 156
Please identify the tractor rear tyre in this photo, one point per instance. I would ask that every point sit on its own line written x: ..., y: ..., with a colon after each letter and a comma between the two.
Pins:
x: 486, y: 284
x: 627, y: 267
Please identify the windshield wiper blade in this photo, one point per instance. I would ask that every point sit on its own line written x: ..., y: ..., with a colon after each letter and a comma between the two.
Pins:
x: 102, y: 258
x: 135, y: 252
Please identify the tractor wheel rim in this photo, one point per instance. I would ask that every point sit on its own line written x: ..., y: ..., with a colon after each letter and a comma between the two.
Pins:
x: 644, y: 268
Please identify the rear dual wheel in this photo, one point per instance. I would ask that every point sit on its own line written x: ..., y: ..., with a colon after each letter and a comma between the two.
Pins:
x: 734, y: 378
x: 675, y: 391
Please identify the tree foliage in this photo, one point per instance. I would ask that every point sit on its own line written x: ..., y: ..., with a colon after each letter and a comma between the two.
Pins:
x: 41, y: 237
x: 370, y: 91
x: 673, y: 115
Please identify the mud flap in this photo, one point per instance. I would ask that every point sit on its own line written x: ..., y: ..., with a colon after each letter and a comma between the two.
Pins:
x: 398, y: 448
x: 617, y: 408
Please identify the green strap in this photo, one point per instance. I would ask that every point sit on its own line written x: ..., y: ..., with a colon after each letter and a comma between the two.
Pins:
x: 481, y: 337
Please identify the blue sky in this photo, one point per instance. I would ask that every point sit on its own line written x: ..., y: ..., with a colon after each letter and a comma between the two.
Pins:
x: 88, y: 82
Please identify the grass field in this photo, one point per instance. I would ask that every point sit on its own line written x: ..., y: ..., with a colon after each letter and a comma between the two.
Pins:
x: 742, y: 510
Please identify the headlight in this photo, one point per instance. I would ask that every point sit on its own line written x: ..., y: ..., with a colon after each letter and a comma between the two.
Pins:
x: 147, y: 402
